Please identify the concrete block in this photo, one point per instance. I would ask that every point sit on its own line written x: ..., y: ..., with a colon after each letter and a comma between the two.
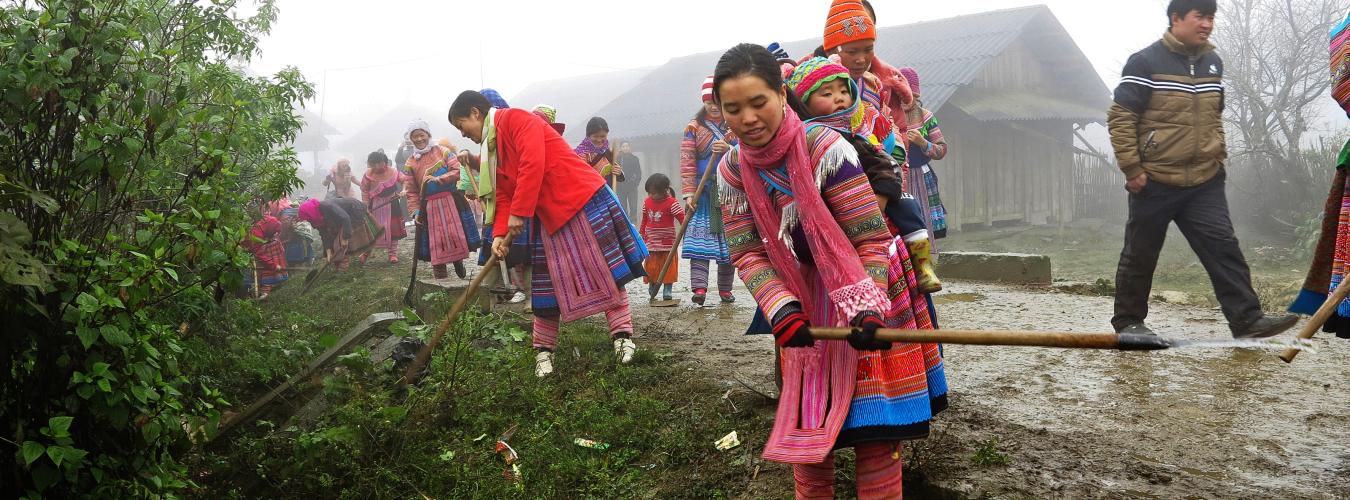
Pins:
x: 453, y: 289
x: 1013, y: 268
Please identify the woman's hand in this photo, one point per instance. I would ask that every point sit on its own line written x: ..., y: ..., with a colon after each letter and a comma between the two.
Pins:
x: 514, y: 226
x: 720, y: 147
x: 916, y: 137
x: 616, y: 170
x: 500, y: 246
x: 864, y: 334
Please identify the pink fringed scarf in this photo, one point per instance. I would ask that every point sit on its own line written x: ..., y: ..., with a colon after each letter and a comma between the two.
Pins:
x: 818, y: 382
x: 833, y: 252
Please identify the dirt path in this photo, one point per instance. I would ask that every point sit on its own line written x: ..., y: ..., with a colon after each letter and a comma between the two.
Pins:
x: 1187, y: 423
x: 1176, y: 424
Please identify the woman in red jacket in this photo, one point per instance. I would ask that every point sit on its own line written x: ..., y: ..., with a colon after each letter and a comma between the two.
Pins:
x: 583, y: 249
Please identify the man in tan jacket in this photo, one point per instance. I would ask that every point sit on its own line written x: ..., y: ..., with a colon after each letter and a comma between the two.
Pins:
x: 1167, y: 131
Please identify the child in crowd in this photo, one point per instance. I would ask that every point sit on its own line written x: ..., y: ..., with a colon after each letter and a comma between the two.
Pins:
x: 269, y: 254
x: 659, y: 214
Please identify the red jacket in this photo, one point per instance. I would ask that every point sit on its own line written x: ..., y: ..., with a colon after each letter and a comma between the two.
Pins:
x: 538, y: 174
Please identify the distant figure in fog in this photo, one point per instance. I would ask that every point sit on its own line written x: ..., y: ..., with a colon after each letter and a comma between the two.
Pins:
x: 631, y: 187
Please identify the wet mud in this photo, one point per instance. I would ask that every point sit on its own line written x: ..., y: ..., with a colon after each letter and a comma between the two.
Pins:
x: 1183, y: 423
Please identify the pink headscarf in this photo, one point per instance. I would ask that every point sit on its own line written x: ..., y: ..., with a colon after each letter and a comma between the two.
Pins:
x: 913, y: 77
x: 309, y: 212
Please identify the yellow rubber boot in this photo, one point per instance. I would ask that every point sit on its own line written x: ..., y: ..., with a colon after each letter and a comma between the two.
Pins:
x: 921, y: 253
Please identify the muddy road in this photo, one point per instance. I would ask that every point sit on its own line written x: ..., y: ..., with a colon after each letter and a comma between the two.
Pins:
x: 1185, y: 423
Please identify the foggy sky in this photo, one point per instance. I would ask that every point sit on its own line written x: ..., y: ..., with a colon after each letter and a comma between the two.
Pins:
x: 376, y: 55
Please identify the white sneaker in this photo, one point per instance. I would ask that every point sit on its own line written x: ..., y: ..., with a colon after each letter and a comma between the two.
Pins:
x: 543, y: 364
x: 624, y: 350
x: 517, y: 298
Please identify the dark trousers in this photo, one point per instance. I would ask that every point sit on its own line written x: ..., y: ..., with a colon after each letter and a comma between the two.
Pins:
x: 1201, y: 212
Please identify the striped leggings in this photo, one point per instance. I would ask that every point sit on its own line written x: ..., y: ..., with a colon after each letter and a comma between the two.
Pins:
x: 878, y: 474
x: 620, y: 321
x: 698, y: 275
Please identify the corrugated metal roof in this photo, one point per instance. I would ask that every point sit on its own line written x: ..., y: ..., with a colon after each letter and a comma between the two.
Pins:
x: 948, y: 54
x: 1020, y: 106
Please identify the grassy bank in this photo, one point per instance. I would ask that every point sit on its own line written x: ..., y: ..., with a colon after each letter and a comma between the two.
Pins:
x: 657, y: 418
x: 1089, y: 253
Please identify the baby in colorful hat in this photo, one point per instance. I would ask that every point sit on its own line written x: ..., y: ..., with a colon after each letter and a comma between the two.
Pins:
x: 830, y: 95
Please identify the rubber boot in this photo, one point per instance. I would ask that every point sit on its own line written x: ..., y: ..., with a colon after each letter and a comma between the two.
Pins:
x: 921, y: 253
x: 460, y: 271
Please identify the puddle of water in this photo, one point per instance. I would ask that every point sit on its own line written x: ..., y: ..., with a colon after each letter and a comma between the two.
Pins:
x: 1267, y: 344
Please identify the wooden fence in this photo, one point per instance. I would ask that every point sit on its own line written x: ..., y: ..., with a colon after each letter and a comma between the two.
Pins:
x: 1098, y: 188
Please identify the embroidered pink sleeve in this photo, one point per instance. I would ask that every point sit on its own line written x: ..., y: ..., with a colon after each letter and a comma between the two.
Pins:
x: 855, y: 208
x: 748, y: 252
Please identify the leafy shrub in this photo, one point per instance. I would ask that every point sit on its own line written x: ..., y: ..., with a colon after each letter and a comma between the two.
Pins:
x: 132, y: 143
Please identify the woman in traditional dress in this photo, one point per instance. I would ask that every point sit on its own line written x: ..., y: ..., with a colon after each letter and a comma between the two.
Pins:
x: 706, y: 139
x: 345, y: 225
x: 1331, y: 261
x: 583, y: 248
x: 594, y: 149
x: 810, y: 243
x: 381, y: 187
x: 340, y: 180
x: 446, y: 229
x: 926, y: 145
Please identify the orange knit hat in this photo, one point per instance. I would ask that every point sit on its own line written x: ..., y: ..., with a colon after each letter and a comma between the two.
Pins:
x: 848, y: 22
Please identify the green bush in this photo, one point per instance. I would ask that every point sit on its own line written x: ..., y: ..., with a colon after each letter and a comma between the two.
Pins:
x: 131, y: 142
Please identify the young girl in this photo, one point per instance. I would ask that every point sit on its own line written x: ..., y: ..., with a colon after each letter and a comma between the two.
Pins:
x: 582, y: 246
x: 706, y: 139
x: 829, y: 95
x: 659, y: 214
x: 595, y: 150
x: 380, y: 187
x: 810, y: 242
x: 445, y: 232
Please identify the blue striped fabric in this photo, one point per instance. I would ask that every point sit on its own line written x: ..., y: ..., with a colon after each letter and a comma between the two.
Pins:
x: 620, y: 243
x: 700, y: 243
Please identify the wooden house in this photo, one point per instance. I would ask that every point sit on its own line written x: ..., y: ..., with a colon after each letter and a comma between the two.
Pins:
x: 1010, y: 89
